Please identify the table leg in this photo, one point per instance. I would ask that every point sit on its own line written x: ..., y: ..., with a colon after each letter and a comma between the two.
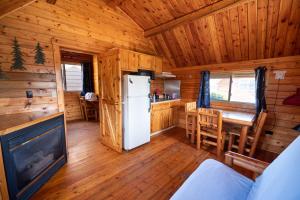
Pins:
x: 243, y: 139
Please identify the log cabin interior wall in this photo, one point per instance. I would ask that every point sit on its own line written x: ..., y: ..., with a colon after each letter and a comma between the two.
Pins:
x: 281, y: 118
x: 88, y: 25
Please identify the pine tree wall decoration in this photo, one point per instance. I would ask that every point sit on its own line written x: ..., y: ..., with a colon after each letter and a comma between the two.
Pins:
x: 39, y: 54
x: 17, y: 61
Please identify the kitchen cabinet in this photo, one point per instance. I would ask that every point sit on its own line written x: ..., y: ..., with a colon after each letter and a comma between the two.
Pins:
x: 147, y: 62
x: 132, y: 61
x: 163, y: 115
x: 129, y: 60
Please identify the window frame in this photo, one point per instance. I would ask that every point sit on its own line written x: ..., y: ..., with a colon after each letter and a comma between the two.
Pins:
x: 63, y: 74
x: 230, y: 76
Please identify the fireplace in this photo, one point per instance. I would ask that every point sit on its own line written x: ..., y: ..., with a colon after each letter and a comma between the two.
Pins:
x: 32, y: 155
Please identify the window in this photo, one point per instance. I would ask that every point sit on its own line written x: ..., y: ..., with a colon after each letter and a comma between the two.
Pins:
x: 72, y: 77
x: 233, y: 87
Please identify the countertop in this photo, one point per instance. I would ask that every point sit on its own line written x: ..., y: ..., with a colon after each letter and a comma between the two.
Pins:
x: 13, y: 122
x: 165, y: 101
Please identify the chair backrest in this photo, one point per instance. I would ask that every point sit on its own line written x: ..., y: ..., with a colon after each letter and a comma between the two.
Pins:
x: 257, y: 130
x: 82, y: 101
x: 210, y: 118
x: 190, y: 106
x: 281, y: 179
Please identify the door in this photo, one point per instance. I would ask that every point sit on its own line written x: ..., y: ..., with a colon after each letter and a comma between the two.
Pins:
x: 110, y: 103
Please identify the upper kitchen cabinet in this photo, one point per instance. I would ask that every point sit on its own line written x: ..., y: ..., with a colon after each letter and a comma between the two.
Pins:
x: 147, y: 62
x: 133, y: 61
x: 129, y: 60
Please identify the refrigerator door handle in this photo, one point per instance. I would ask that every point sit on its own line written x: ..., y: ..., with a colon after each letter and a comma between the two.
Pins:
x: 149, y: 109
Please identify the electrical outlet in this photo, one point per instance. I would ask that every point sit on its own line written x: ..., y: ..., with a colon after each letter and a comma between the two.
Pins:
x: 269, y: 132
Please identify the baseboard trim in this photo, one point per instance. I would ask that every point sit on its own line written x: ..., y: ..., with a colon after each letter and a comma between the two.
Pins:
x: 161, y: 131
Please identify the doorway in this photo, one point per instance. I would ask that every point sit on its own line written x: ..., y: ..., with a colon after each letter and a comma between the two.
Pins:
x: 80, y: 83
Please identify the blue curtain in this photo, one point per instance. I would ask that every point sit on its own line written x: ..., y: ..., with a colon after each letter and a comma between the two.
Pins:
x: 204, y: 93
x: 260, y: 80
x: 88, y: 84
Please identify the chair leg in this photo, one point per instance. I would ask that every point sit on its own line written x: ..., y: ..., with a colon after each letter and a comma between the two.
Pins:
x: 252, y: 149
x: 230, y: 142
x: 198, y: 137
x: 86, y: 115
x: 186, y: 127
x: 223, y: 140
x: 193, y: 130
x: 219, y: 146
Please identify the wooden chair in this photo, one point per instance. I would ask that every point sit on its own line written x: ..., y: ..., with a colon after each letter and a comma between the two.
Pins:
x: 88, y: 109
x: 190, y: 120
x: 252, y: 138
x: 209, y: 125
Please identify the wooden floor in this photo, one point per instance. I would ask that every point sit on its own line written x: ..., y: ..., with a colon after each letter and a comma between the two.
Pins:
x: 153, y: 171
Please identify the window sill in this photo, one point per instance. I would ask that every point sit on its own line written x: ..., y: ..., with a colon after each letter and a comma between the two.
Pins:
x: 233, y: 104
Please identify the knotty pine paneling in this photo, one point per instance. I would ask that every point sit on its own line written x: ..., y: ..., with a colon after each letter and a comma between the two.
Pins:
x: 86, y: 24
x: 157, y: 84
x: 72, y: 106
x: 281, y: 118
x: 149, y: 14
x: 254, y: 29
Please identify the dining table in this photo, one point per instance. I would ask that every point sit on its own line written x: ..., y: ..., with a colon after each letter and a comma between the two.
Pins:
x: 243, y: 119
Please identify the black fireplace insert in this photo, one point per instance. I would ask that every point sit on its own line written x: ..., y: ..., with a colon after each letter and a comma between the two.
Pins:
x: 32, y: 155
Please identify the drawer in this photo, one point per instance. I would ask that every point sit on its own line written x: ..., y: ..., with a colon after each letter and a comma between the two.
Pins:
x: 175, y: 103
x: 160, y: 106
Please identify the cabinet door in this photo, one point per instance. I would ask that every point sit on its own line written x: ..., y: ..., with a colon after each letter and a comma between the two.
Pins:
x: 165, y: 118
x: 146, y: 62
x: 156, y: 121
x: 172, y: 116
x: 158, y: 65
x: 133, y: 61
x: 123, y: 60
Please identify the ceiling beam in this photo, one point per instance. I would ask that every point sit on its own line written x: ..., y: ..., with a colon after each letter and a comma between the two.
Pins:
x: 10, y: 6
x: 202, y: 12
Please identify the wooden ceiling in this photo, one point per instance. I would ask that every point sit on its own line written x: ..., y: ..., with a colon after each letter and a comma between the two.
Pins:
x: 241, y: 30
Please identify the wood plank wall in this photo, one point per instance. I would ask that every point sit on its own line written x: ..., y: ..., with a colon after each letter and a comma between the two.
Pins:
x: 157, y: 84
x: 281, y: 118
x: 72, y: 106
x: 86, y: 24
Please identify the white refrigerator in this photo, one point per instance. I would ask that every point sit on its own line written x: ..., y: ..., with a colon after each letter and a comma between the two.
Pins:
x: 136, y: 111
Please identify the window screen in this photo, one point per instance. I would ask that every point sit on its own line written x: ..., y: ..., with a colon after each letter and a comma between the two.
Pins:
x: 243, y: 88
x: 233, y: 87
x: 72, y: 75
x: 219, y: 87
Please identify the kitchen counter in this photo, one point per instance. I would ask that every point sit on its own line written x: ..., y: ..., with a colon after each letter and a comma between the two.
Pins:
x: 165, y: 101
x: 13, y: 122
